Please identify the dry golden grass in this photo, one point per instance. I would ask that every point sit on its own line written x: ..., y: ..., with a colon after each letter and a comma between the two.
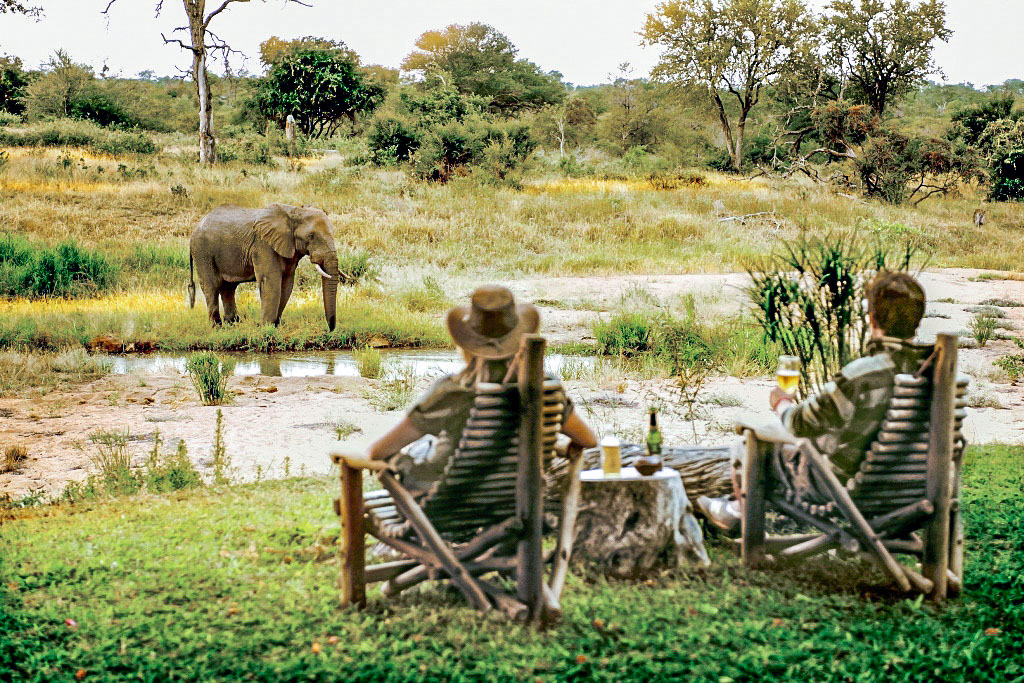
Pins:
x: 571, y: 226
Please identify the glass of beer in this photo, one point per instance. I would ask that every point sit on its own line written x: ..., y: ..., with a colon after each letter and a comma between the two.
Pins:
x: 611, y: 452
x: 788, y: 374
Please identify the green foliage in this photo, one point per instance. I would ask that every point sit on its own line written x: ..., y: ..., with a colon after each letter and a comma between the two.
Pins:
x: 392, y: 139
x: 809, y: 299
x: 897, y: 168
x: 479, y: 60
x: 67, y: 133
x: 1002, y: 142
x: 1013, y: 364
x: 13, y: 81
x: 970, y: 122
x: 67, y: 269
x: 249, y: 149
x: 369, y: 362
x: 222, y: 470
x: 428, y: 296
x: 169, y: 473
x: 357, y: 267
x: 114, y: 464
x: 395, y: 390
x: 884, y: 49
x: 209, y: 376
x: 320, y: 84
x: 983, y: 326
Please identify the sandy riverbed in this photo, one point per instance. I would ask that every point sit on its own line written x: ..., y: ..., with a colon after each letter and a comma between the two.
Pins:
x: 276, y: 423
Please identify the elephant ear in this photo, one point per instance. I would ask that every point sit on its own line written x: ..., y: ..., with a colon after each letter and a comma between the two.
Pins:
x: 274, y: 226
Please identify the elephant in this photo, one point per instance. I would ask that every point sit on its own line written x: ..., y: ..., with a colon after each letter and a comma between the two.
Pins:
x: 232, y: 244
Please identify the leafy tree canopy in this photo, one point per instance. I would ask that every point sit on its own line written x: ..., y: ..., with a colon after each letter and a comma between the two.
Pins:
x: 12, y: 85
x: 318, y: 81
x: 481, y: 61
x: 884, y: 50
x: 729, y: 46
x: 19, y: 7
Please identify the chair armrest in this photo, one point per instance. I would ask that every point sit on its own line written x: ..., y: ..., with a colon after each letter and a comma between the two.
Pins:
x: 360, y: 462
x: 769, y: 430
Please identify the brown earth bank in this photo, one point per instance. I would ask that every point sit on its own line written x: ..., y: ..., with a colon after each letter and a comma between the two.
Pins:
x: 287, y: 425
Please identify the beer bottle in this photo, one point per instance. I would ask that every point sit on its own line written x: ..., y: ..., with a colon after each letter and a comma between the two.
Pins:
x: 654, y: 436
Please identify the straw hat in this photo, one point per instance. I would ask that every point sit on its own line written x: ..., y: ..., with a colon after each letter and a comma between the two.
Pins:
x: 492, y: 324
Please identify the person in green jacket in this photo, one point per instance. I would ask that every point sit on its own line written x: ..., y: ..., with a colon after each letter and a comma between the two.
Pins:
x: 844, y: 417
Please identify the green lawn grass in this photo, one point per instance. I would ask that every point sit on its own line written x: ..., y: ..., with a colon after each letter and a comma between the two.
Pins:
x: 238, y: 583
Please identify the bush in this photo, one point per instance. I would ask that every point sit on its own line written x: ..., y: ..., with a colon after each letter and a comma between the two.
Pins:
x: 392, y: 140
x: 9, y: 119
x: 625, y: 334
x: 250, y: 150
x: 113, y: 461
x: 357, y: 267
x: 172, y: 473
x: 897, y: 168
x: 209, y: 376
x: 809, y: 299
x: 64, y: 270
x: 369, y: 362
x: 14, y: 457
x: 983, y: 326
x: 67, y: 133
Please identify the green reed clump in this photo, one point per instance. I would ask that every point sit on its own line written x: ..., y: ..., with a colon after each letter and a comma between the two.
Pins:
x: 369, y: 362
x: 983, y: 326
x: 809, y: 298
x: 222, y: 470
x: 357, y: 267
x: 113, y: 463
x: 209, y: 376
x: 31, y: 270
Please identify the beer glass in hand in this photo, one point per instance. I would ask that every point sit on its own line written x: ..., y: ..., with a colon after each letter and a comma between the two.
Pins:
x: 788, y: 374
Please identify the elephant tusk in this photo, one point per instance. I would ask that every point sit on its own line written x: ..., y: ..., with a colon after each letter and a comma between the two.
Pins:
x: 322, y: 271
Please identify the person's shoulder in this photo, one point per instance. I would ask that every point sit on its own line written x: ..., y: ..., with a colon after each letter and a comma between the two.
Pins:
x: 869, y: 367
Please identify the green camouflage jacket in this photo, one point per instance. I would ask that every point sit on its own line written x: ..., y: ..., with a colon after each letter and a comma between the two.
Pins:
x: 844, y: 417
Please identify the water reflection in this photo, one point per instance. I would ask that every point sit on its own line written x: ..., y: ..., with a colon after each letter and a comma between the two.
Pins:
x: 335, y: 363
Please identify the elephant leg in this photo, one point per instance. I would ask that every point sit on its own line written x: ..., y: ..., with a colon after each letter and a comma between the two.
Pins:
x: 287, y: 280
x: 211, y: 292
x: 227, y: 297
x: 270, y: 297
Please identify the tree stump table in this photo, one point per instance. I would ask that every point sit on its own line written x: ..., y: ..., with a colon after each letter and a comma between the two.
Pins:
x: 629, y: 525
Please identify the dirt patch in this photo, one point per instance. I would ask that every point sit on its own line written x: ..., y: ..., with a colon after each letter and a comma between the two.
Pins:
x: 289, y: 422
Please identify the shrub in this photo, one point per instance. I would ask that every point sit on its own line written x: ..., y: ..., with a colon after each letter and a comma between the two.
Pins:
x: 625, y: 334
x: 9, y: 119
x: 428, y: 297
x: 172, y: 473
x: 250, y: 150
x: 113, y: 462
x: 809, y: 299
x: 209, y: 376
x: 357, y: 267
x: 222, y: 469
x: 369, y: 362
x: 66, y: 133
x: 14, y: 456
x: 392, y: 140
x: 64, y: 270
x: 897, y: 168
x: 983, y: 326
x: 395, y: 391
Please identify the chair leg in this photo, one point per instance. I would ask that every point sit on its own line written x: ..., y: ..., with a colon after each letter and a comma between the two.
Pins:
x: 432, y: 540
x: 956, y: 542
x: 752, y: 501
x: 567, y: 528
x: 352, y: 578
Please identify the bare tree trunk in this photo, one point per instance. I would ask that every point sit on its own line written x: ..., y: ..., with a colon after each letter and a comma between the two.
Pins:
x: 207, y: 141
x: 561, y: 137
x: 727, y: 130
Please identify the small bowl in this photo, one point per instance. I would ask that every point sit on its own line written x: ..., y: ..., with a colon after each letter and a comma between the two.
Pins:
x: 647, y: 465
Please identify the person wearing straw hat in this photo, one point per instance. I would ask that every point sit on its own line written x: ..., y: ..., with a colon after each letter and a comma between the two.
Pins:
x: 487, y: 331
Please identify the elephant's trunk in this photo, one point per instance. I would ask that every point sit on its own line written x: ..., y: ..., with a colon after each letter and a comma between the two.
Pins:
x: 330, y: 289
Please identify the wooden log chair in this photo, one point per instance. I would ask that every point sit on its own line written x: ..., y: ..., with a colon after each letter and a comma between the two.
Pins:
x: 486, y: 514
x: 903, y: 500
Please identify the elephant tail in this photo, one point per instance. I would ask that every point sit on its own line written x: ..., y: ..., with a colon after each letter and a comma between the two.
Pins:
x: 191, y: 282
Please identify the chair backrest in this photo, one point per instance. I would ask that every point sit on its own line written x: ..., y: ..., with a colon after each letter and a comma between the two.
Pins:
x: 478, y: 487
x: 894, y: 471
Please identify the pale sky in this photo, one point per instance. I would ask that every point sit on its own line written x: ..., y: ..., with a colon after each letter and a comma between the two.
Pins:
x: 584, y: 40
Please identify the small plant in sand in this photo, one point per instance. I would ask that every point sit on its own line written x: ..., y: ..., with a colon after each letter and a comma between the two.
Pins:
x: 171, y: 473
x: 14, y: 456
x: 983, y: 326
x: 1013, y: 364
x: 209, y: 376
x: 395, y: 391
x: 369, y: 362
x: 221, y: 459
x: 113, y: 463
x: 344, y: 428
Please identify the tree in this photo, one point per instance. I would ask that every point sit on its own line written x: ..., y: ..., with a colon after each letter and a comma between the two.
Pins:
x: 729, y: 46
x: 898, y: 167
x: 55, y: 93
x: 482, y: 61
x: 571, y: 122
x: 202, y: 43
x: 317, y: 81
x: 13, y: 81
x: 18, y: 7
x: 884, y: 51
